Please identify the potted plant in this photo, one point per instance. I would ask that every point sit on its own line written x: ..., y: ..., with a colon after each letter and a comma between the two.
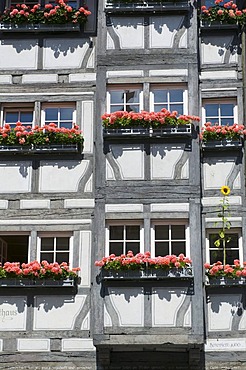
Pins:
x: 219, y: 274
x: 223, y: 13
x: 218, y: 136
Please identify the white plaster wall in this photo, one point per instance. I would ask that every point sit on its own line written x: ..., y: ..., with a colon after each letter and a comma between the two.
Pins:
x: 163, y: 30
x: 57, y: 312
x: 13, y: 313
x: 214, y: 49
x: 164, y: 158
x: 128, y: 304
x: 216, y: 174
x: 85, y: 258
x: 15, y: 177
x: 166, y: 303
x: 128, y: 31
x: 221, y: 310
x: 18, y: 53
x: 87, y: 125
x: 64, y: 53
x: 129, y: 160
x: 61, y: 176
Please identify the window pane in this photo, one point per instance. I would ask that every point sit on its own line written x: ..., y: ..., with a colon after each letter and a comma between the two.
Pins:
x: 226, y: 109
x: 11, y: 117
x: 116, y: 108
x: 212, y: 120
x: 26, y: 117
x: 132, y: 96
x: 132, y: 108
x: 177, y: 107
x: 62, y: 257
x: 47, y: 244
x: 66, y: 124
x: 117, y: 97
x: 216, y: 255
x: 160, y: 96
x: 178, y: 232
x: 66, y: 114
x: 116, y: 232
x: 159, y: 107
x: 132, y: 232
x: 231, y: 255
x: 212, y: 110
x: 47, y: 257
x: 227, y: 121
x: 116, y: 248
x: 51, y: 114
x: 176, y: 95
x: 161, y: 232
x: 62, y: 243
x: 161, y: 249
x: 178, y: 247
x: 134, y: 247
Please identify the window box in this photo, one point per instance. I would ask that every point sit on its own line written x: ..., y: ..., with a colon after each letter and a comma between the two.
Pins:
x: 224, y: 281
x: 168, y: 130
x: 207, y: 25
x: 41, y: 149
x: 131, y: 131
x: 222, y: 145
x: 147, y: 6
x: 10, y: 27
x: 34, y: 283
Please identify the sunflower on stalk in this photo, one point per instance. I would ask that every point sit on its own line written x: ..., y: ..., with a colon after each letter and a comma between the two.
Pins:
x: 224, y: 213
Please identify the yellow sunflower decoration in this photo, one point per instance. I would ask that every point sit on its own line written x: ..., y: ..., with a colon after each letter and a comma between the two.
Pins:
x: 225, y: 190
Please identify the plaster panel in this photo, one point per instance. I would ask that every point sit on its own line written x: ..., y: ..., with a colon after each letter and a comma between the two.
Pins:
x: 6, y: 79
x: 127, y: 33
x: 50, y: 311
x: 4, y: 204
x: 34, y: 203
x: 169, y: 207
x: 81, y: 77
x: 130, y: 207
x: 13, y: 313
x: 1, y: 345
x: 64, y: 53
x: 109, y: 172
x: 217, y: 173
x: 128, y: 304
x: 86, y: 322
x: 128, y: 73
x: 218, y: 75
x: 242, y: 324
x: 61, y: 176
x: 166, y: 304
x: 168, y: 72
x: 225, y: 344
x: 87, y: 125
x: 79, y: 203
x: 130, y: 160
x: 15, y: 176
x: 85, y: 258
x: 88, y: 185
x: 164, y: 158
x: 78, y: 344
x: 163, y: 30
x: 40, y: 78
x: 218, y: 49
x: 211, y: 201
x: 107, y: 318
x: 222, y: 308
x: 19, y: 54
x: 33, y: 345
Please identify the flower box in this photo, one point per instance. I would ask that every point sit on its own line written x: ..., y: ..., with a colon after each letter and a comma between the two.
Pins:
x: 34, y: 283
x: 224, y: 281
x: 130, y: 131
x: 41, y: 149
x: 222, y: 144
x: 185, y: 130
x: 11, y: 27
x: 165, y: 131
x: 146, y: 6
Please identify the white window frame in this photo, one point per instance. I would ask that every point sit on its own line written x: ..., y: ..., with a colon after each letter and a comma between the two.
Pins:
x: 231, y: 231
x: 16, y: 108
x: 171, y: 222
x: 125, y: 223
x: 59, y: 106
x: 220, y: 101
x: 56, y: 235
x: 169, y: 87
x: 125, y: 87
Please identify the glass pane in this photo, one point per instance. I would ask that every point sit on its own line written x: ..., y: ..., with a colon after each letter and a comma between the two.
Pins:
x: 116, y: 232
x: 212, y: 120
x: 227, y: 121
x: 132, y: 232
x: 177, y: 107
x: 178, y: 247
x: 26, y: 117
x: 132, y: 108
x: 212, y: 110
x: 62, y: 244
x: 51, y: 114
x: 231, y: 255
x: 158, y: 107
x: 11, y: 117
x: 66, y: 124
x: 161, y: 232
x: 160, y: 96
x: 134, y: 247
x: 226, y: 109
x: 132, y: 96
x: 233, y: 243
x: 62, y: 257
x: 66, y: 114
x: 116, y: 108
x: 47, y: 244
x: 117, y: 97
x: 176, y: 95
x: 161, y: 249
x: 115, y: 248
x: 178, y: 232
x: 216, y: 255
x: 47, y: 257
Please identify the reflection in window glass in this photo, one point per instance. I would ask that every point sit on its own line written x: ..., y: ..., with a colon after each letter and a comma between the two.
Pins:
x: 125, y: 100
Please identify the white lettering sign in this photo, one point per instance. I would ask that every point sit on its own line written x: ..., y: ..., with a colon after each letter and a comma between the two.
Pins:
x: 237, y: 344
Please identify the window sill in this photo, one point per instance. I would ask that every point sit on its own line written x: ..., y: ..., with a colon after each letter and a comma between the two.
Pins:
x: 36, y: 283
x: 219, y: 282
x: 4, y: 27
x: 151, y: 274
x: 42, y: 149
x: 222, y: 145
x: 168, y: 131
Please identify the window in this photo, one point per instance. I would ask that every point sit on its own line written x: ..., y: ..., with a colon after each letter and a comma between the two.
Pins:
x: 124, y: 237
x: 173, y: 99
x: 169, y: 238
x: 72, y: 3
x: 14, y: 247
x: 30, y: 3
x: 233, y: 248
x: 223, y: 112
x: 55, y: 248
x: 25, y: 115
x: 62, y: 115
x: 128, y: 99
